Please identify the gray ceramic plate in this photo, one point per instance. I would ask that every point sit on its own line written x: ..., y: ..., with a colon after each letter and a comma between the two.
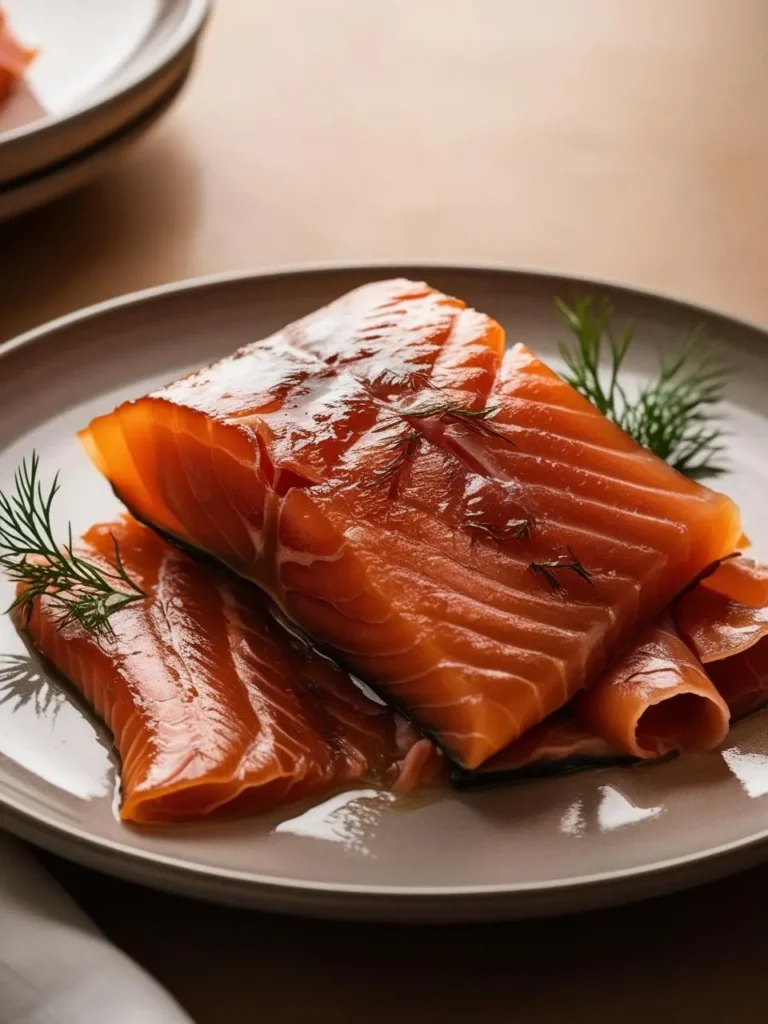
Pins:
x: 85, y: 167
x: 536, y: 847
x: 101, y: 64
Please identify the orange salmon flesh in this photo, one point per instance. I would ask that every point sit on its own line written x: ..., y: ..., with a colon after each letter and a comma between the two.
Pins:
x: 462, y: 529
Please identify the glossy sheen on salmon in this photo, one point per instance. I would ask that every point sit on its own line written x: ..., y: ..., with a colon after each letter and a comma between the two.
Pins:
x: 352, y: 466
x: 212, y: 702
x: 740, y: 579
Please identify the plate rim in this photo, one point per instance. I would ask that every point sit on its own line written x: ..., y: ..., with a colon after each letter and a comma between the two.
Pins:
x: 175, y: 69
x: 200, y: 282
x: 606, y: 886
x: 193, y: 21
x: 100, y: 153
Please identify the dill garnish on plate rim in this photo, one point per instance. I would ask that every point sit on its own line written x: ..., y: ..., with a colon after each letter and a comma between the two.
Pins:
x: 675, y: 414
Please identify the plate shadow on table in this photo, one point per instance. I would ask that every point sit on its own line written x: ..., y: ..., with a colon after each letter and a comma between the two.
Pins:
x: 64, y: 255
x: 671, y: 960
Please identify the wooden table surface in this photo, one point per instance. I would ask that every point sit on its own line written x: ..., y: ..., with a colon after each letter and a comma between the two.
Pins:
x: 628, y: 141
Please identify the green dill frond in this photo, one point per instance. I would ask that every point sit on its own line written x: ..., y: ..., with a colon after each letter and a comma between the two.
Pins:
x: 83, y: 592
x: 676, y: 413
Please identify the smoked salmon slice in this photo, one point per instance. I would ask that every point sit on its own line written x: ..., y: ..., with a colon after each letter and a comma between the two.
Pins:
x: 656, y: 700
x: 559, y: 745
x: 659, y: 698
x: 725, y: 621
x: 213, y: 703
x: 14, y: 58
x: 471, y: 537
x: 742, y: 679
x: 741, y: 579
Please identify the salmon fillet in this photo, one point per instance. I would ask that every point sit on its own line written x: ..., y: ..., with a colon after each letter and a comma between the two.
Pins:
x: 419, y: 510
x: 212, y: 702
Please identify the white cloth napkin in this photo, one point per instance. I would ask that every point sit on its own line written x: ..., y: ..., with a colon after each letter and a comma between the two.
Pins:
x: 56, y: 967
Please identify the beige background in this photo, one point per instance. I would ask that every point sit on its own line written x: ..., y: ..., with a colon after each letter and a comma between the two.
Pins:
x: 626, y: 140
x: 613, y: 139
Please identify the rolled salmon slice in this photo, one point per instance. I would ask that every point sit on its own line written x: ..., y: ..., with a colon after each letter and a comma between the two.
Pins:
x: 659, y: 698
x: 718, y: 625
x: 213, y: 704
x: 740, y: 579
x: 656, y: 700
x: 418, y: 511
x: 725, y: 621
x: 743, y: 679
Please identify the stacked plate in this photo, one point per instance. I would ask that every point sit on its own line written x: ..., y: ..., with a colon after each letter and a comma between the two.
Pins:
x: 106, y: 70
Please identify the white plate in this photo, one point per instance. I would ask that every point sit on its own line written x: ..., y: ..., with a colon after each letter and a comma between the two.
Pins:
x: 541, y: 846
x: 83, y: 168
x: 102, y: 63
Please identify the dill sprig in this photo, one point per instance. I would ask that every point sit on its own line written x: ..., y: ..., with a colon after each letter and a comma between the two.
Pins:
x: 567, y: 562
x: 520, y: 529
x: 84, y: 593
x: 408, y: 380
x: 404, y: 443
x: 403, y: 446
x: 479, y: 421
x: 675, y: 414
